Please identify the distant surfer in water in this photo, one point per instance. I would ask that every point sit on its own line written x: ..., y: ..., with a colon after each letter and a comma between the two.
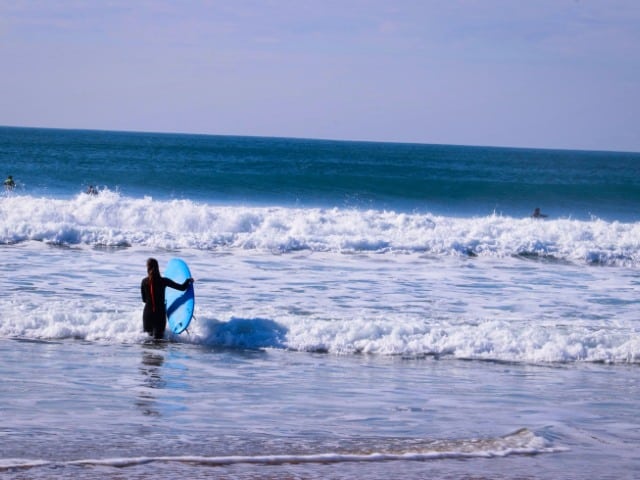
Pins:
x: 9, y: 184
x: 154, y: 316
x: 91, y: 190
x: 537, y: 214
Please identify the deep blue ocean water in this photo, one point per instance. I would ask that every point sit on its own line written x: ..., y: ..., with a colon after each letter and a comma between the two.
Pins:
x: 440, y: 179
x: 362, y: 309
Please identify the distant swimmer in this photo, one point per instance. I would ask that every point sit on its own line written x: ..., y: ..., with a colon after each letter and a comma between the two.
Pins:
x: 537, y: 214
x: 91, y: 190
x: 9, y: 184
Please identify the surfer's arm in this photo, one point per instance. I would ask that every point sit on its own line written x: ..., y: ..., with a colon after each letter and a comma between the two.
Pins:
x: 178, y: 286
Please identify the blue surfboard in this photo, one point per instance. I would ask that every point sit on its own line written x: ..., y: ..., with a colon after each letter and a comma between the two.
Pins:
x: 179, y: 304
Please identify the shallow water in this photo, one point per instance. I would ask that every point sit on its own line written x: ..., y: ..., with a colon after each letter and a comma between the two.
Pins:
x: 150, y: 411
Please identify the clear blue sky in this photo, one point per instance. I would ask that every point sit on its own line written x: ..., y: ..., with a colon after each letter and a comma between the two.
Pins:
x: 539, y: 73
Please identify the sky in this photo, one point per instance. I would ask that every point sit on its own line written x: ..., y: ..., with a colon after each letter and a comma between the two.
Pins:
x: 537, y: 73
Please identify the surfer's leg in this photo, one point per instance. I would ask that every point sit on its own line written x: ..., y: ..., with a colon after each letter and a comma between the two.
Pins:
x: 159, y: 324
x: 147, y: 322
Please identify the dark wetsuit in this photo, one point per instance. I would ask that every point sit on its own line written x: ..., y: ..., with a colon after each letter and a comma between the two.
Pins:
x: 154, y: 316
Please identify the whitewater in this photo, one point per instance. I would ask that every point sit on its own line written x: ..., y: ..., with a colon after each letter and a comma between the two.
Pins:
x: 400, y: 260
x: 111, y: 220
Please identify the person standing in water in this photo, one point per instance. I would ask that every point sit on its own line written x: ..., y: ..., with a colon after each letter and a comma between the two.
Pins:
x: 154, y: 316
x: 9, y: 183
x: 537, y: 214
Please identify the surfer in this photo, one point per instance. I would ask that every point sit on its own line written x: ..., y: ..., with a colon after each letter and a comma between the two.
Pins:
x: 154, y: 316
x: 9, y: 184
x: 537, y: 214
x: 91, y: 190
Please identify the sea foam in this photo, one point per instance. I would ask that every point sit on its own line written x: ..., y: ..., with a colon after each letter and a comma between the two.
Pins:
x: 393, y: 335
x: 112, y: 220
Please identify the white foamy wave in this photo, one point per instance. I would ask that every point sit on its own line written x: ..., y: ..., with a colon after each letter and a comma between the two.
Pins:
x: 112, y: 220
x: 414, y: 338
x: 70, y: 319
x: 480, y: 340
x: 514, y: 341
x: 521, y: 442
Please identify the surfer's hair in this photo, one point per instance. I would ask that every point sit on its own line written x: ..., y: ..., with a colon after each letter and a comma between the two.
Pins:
x: 153, y: 270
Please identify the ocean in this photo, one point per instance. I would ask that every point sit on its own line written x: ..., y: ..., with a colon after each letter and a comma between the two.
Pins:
x: 363, y: 310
